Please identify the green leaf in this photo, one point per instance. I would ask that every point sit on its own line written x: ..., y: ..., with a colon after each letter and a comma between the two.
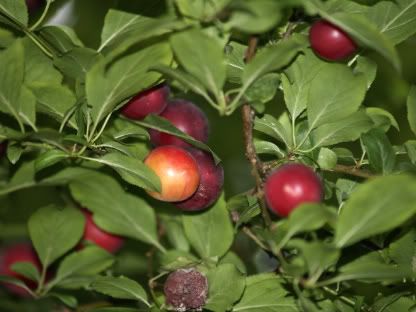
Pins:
x: 395, y: 19
x: 175, y: 232
x: 366, y: 213
x: 368, y: 67
x: 226, y: 285
x: 337, y: 98
x: 344, y: 188
x: 382, y: 118
x: 54, y: 231
x: 26, y: 269
x: 205, y: 61
x: 344, y: 130
x: 16, y: 9
x: 243, y: 208
x: 187, y: 81
x: 11, y: 80
x: 76, y: 62
x: 164, y: 125
x: 379, y: 151
x: 122, y: 30
x: 200, y: 9
x: 369, y: 270
x: 234, y: 55
x: 265, y: 147
x: 68, y: 300
x: 393, y: 303
x: 115, y: 210
x: 411, y: 109
x: 54, y: 100
x: 273, y: 58
x: 411, y: 150
x: 107, y: 88
x: 131, y: 170
x: 210, y: 232
x: 264, y: 89
x: 49, y: 158
x: 307, y: 218
x: 27, y: 107
x: 327, y: 159
x: 255, y: 16
x: 89, y: 261
x: 297, y: 81
x: 319, y: 256
x: 62, y: 37
x: 14, y: 281
x: 120, y: 288
x: 273, y: 128
x: 264, y: 292
x: 14, y: 152
x: 176, y: 259
x: 403, y: 250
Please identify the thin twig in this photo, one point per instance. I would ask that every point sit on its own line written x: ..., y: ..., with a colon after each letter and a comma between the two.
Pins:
x: 353, y: 170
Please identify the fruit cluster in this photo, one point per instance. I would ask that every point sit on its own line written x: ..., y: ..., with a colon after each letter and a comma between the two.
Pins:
x: 189, y: 177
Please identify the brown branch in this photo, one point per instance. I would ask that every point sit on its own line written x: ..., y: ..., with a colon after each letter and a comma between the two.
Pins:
x: 248, y: 119
x: 352, y: 170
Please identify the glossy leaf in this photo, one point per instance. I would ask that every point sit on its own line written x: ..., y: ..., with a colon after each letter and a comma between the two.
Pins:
x: 120, y: 288
x: 210, y: 232
x: 226, y: 285
x: 54, y: 231
x: 115, y: 210
x: 377, y: 213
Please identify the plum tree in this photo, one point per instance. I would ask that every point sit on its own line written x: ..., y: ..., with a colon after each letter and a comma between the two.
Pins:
x: 330, y: 42
x: 291, y: 185
x: 186, y: 289
x: 209, y: 189
x: 94, y: 234
x: 188, y: 118
x: 177, y: 170
x: 151, y: 101
x: 21, y: 252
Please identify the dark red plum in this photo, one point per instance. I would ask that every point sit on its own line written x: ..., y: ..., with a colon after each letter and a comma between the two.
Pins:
x: 210, y: 186
x: 151, y: 101
x: 188, y: 118
x: 330, y: 42
x: 290, y: 186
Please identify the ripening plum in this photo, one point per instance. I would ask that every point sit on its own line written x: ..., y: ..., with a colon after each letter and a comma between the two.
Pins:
x: 177, y: 170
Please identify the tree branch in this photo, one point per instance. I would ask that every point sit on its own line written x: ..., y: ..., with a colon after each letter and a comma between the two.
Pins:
x: 248, y: 119
x: 353, y: 170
